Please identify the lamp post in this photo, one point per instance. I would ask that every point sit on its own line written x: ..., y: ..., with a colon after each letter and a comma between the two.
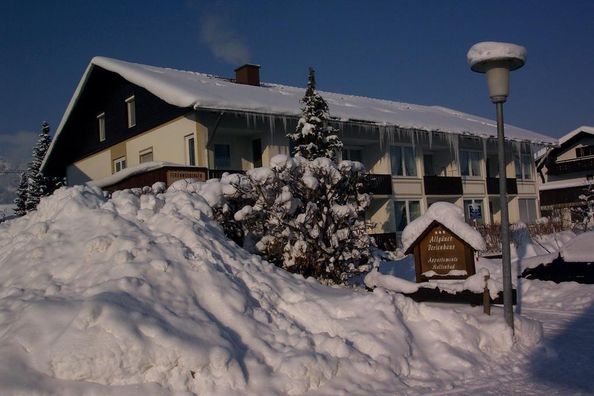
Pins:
x: 496, y: 60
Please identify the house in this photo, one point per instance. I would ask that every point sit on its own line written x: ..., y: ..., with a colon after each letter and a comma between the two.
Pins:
x: 566, y: 172
x: 127, y: 122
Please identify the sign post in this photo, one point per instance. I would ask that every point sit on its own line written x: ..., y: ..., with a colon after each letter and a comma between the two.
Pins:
x: 441, y: 254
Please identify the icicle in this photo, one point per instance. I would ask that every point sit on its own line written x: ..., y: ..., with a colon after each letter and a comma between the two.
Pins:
x: 271, y: 122
x: 517, y: 146
x: 284, y: 118
x: 484, y: 140
x: 430, y: 140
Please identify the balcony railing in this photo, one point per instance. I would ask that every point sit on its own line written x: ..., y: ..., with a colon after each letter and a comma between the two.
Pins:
x: 576, y: 165
x: 378, y: 184
x: 493, y: 185
x: 442, y: 185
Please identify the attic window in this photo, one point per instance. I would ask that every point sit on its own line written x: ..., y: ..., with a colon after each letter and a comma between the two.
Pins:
x: 101, y: 123
x: 131, y: 107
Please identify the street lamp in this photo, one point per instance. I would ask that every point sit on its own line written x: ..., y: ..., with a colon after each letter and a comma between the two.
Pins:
x: 496, y: 60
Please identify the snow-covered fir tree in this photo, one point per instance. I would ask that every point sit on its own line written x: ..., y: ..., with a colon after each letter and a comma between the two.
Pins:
x: 34, y: 184
x: 314, y: 137
x: 21, y: 198
x: 307, y: 216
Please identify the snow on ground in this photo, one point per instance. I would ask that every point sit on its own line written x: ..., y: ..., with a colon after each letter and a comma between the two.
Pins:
x: 142, y: 294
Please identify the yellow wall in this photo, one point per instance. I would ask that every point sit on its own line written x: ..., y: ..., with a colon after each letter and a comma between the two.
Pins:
x: 167, y: 141
x: 95, y: 167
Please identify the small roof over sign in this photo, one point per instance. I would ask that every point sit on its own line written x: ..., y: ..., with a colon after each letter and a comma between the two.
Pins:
x: 452, y: 217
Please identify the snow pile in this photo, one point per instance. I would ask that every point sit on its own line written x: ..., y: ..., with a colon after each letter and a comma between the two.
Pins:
x: 580, y: 249
x: 449, y: 215
x: 142, y: 294
x: 399, y: 276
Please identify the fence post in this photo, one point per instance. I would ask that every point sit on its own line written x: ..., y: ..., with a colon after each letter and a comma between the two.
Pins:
x: 486, y: 297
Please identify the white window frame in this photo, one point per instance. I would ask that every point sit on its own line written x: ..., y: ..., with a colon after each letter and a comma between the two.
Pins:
x: 471, y: 175
x: 519, y: 160
x: 407, y: 208
x: 101, y: 125
x: 521, y: 212
x: 403, y: 161
x: 188, y: 158
x: 144, y: 152
x: 131, y: 111
x: 119, y: 162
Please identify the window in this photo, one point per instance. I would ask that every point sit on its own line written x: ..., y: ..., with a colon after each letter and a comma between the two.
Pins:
x: 405, y: 212
x: 523, y: 165
x: 222, y: 156
x: 584, y: 151
x: 190, y: 143
x: 257, y: 152
x: 473, y: 211
x: 403, y: 161
x: 470, y: 163
x: 119, y: 164
x: 131, y: 107
x: 527, y: 210
x: 101, y: 122
x: 352, y: 154
x: 145, y: 155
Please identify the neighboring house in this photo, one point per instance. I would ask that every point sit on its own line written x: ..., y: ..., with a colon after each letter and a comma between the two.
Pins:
x: 566, y: 172
x: 186, y: 124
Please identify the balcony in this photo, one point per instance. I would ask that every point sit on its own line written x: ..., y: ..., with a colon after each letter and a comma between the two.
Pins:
x: 442, y: 185
x: 577, y: 165
x: 493, y: 185
x: 378, y: 184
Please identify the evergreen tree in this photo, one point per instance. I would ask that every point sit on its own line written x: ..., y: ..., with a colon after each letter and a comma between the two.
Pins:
x: 21, y: 198
x: 34, y: 184
x: 314, y: 138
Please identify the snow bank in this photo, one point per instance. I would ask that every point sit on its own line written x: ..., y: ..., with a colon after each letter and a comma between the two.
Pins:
x: 450, y: 216
x: 142, y: 294
x: 580, y: 249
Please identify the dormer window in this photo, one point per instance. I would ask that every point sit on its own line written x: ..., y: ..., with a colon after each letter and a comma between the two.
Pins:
x: 131, y: 107
x: 101, y: 124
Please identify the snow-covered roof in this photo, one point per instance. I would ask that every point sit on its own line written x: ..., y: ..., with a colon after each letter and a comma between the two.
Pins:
x: 450, y: 216
x: 584, y: 128
x: 203, y: 91
x: 131, y: 171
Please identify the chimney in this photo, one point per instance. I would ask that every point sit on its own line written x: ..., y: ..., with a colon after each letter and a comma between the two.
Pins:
x: 248, y: 74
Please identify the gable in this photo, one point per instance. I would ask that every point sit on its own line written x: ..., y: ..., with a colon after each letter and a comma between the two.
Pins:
x: 105, y: 92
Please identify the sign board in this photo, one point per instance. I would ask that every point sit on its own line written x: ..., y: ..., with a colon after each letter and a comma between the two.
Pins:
x: 441, y: 254
x: 474, y: 212
x: 174, y: 175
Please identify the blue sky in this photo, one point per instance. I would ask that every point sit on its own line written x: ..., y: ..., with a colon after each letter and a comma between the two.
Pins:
x: 409, y: 51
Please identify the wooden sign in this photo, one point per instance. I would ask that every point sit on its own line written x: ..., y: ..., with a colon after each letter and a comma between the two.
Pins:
x: 441, y: 254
